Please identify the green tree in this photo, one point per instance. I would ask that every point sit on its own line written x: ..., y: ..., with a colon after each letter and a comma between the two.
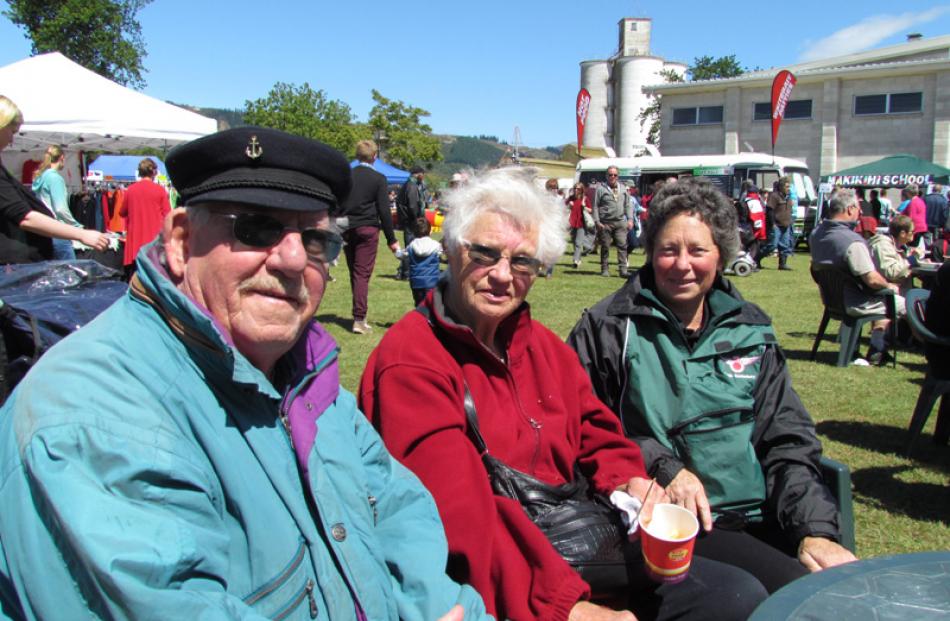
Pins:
x: 404, y: 139
x: 650, y: 116
x: 708, y: 68
x: 703, y: 68
x: 303, y: 111
x: 101, y: 35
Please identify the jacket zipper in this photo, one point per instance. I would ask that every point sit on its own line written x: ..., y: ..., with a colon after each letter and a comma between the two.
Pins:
x: 282, y: 413
x: 372, y: 503
x: 279, y: 580
x: 536, y: 425
x: 313, y: 602
x: 305, y: 592
x: 730, y: 426
x: 284, y: 409
x: 678, y: 429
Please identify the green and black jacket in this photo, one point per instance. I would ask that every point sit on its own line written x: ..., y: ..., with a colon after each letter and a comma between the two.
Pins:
x: 719, y: 403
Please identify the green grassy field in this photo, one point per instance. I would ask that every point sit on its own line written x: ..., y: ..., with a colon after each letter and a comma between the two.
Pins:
x: 862, y: 413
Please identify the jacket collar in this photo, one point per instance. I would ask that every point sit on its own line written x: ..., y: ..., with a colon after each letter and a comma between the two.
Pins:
x: 513, y: 331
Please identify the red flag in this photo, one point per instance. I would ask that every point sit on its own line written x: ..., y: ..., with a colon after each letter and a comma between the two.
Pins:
x: 781, y: 90
x: 583, y: 106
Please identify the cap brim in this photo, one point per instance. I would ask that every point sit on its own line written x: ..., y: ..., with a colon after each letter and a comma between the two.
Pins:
x: 262, y: 197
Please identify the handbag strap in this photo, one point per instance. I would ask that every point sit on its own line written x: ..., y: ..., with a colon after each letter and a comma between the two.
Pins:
x: 472, y: 416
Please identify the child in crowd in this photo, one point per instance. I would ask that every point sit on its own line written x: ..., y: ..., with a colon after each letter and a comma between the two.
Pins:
x: 424, y: 254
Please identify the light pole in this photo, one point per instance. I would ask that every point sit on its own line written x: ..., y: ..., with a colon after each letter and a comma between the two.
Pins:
x: 379, y: 136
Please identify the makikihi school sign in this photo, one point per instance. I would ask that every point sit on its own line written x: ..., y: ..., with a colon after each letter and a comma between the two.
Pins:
x: 879, y: 181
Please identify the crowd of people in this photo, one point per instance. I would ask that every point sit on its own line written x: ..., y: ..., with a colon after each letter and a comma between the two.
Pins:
x: 28, y: 226
x: 216, y: 467
x: 42, y: 224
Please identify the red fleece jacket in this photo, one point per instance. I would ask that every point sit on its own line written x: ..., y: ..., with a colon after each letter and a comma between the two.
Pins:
x: 537, y: 413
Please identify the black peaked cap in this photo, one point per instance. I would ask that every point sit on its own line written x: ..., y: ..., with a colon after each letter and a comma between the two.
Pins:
x: 262, y: 167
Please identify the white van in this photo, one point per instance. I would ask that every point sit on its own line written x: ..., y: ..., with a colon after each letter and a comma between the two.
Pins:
x: 727, y: 172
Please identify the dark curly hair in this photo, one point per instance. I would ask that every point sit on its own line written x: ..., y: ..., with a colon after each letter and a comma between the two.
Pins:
x: 700, y: 198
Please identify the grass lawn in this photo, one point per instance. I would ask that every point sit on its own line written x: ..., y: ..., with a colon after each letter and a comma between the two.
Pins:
x: 862, y: 413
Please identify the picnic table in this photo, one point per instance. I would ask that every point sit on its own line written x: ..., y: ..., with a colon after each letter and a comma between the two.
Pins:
x: 889, y: 588
x: 925, y: 272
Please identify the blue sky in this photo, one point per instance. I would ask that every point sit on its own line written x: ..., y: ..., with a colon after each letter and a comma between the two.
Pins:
x: 479, y: 67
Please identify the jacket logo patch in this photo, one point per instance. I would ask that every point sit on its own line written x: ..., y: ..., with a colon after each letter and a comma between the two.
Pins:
x: 738, y: 366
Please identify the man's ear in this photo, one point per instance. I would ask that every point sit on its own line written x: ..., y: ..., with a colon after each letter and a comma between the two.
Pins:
x: 175, y: 232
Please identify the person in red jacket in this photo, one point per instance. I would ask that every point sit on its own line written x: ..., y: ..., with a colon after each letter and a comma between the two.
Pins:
x: 536, y: 411
x: 144, y: 209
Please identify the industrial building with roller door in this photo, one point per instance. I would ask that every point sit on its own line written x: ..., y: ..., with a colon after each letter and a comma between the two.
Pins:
x: 843, y: 112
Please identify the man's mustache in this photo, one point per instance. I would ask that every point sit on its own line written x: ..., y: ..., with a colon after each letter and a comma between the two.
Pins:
x: 297, y: 293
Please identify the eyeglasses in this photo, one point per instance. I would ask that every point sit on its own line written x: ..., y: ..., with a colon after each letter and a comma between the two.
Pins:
x: 613, y: 175
x: 262, y: 231
x: 486, y: 257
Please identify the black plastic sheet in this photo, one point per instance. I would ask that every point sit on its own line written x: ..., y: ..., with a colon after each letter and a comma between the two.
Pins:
x: 40, y: 303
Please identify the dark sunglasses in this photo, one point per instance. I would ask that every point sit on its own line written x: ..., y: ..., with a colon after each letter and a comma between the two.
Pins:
x: 486, y: 257
x: 262, y: 231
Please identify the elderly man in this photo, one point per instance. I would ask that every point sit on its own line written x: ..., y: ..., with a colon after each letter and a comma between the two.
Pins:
x: 779, y: 214
x: 613, y: 217
x: 190, y: 453
x: 834, y: 242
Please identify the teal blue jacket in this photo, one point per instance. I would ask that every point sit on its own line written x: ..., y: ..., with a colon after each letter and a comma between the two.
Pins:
x: 145, y: 475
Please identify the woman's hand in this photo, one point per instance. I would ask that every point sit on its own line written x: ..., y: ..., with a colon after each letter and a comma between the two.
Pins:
x: 457, y: 613
x: 817, y: 553
x: 95, y: 239
x: 586, y: 611
x: 638, y: 488
x: 687, y: 491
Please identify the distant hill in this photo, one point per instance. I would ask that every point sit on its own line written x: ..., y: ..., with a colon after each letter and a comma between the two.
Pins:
x: 225, y: 118
x: 458, y: 152
x: 471, y: 152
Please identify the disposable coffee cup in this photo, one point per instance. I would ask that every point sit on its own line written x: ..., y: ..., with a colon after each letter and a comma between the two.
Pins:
x: 667, y: 542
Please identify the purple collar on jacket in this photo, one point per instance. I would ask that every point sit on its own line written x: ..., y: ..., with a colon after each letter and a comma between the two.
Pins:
x: 314, y: 384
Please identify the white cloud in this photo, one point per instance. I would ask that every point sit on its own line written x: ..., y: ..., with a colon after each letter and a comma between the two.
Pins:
x: 867, y: 33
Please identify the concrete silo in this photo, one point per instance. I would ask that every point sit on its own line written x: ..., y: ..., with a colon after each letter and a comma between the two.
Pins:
x: 615, y: 87
x: 595, y: 77
x: 631, y: 74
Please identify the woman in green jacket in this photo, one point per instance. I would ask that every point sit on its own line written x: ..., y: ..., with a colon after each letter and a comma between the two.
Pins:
x: 696, y: 376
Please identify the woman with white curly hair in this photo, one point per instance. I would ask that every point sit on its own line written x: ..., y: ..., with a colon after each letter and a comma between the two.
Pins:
x: 470, y: 360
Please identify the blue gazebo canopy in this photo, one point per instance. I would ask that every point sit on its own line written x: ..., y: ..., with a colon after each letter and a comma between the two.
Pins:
x: 393, y: 175
x: 122, y: 167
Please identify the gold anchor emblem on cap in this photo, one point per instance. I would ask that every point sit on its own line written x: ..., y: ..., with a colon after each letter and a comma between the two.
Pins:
x: 254, y: 149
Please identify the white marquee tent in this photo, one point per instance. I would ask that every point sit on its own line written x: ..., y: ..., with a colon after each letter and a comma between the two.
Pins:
x: 66, y: 104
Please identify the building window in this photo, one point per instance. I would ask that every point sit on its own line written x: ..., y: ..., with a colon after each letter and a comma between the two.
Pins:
x: 798, y: 109
x: 906, y: 102
x: 703, y: 115
x: 794, y: 109
x: 870, y: 104
x: 894, y: 103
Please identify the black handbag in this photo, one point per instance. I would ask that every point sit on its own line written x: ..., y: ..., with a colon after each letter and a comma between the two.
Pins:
x: 584, y: 528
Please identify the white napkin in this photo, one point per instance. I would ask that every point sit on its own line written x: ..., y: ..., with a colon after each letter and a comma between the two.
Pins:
x: 629, y: 507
